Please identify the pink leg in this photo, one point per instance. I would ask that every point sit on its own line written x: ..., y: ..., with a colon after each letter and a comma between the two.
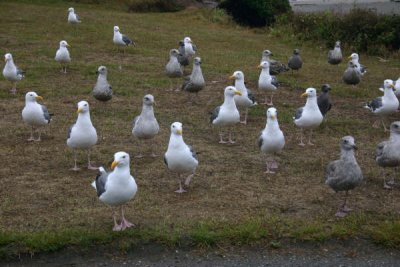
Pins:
x: 180, y: 190
x: 301, y: 138
x: 90, y: 166
x: 31, y: 138
x: 124, y: 222
x: 75, y: 168
x: 117, y: 227
x: 221, y: 141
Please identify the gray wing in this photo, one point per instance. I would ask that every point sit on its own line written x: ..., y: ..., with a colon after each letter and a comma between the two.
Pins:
x: 295, y: 62
x: 251, y: 96
x: 351, y: 76
x: 134, y: 121
x: 194, y: 154
x: 69, y: 131
x: 194, y: 47
x: 363, y: 69
x: 260, y: 140
x: 101, y: 180
x: 77, y: 17
x: 379, y: 149
x: 375, y: 104
x: 46, y: 114
x: 274, y: 81
x: 324, y: 104
x: 214, y: 114
x: 186, y: 83
x: 165, y: 160
x: 277, y: 67
x: 298, y: 113
x: 20, y: 72
x: 127, y: 41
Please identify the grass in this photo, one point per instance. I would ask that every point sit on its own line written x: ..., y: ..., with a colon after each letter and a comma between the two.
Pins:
x: 45, y: 207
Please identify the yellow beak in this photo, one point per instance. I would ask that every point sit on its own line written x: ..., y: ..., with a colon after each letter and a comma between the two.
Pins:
x: 392, y: 86
x: 68, y: 45
x: 179, y: 132
x: 114, y: 164
x: 349, y: 57
x: 232, y: 77
x: 304, y: 94
x: 39, y: 98
x: 259, y: 66
x: 273, y: 117
x: 238, y: 93
x: 79, y: 110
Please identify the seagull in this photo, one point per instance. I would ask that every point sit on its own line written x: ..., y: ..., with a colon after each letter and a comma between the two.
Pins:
x: 34, y: 114
x: 116, y: 188
x: 309, y: 116
x: 12, y: 73
x: 385, y: 105
x: 344, y: 174
x: 271, y: 139
x: 183, y: 59
x: 387, y: 153
x: 62, y: 56
x: 190, y: 47
x: 82, y: 135
x: 295, y: 62
x: 73, y: 18
x: 173, y: 68
x: 102, y: 90
x: 324, y: 100
x: 180, y: 157
x: 194, y: 82
x: 121, y: 39
x: 246, y: 99
x: 335, y: 55
x: 351, y: 76
x: 227, y: 114
x: 267, y: 82
x: 145, y: 126
x: 276, y: 67
x: 359, y: 67
x: 397, y: 87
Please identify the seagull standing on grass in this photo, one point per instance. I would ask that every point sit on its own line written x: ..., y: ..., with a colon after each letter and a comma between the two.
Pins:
x: 335, y: 56
x: 34, y: 114
x: 267, y: 82
x: 387, y: 153
x: 11, y: 72
x: 183, y: 59
x: 195, y: 82
x: 227, y: 114
x: 275, y: 67
x: 180, y: 157
x: 62, y: 56
x: 121, y: 39
x: 324, y: 100
x: 385, y: 105
x: 344, y: 174
x: 173, y: 68
x: 246, y: 98
x: 309, y: 116
x: 271, y: 139
x: 73, y: 18
x: 82, y: 135
x: 145, y: 126
x: 190, y: 47
x: 116, y: 188
x: 295, y: 62
x: 102, y: 90
x: 351, y: 75
x: 359, y: 67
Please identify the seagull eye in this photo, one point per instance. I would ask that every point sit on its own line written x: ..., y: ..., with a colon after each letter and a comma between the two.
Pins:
x: 345, y: 141
x: 123, y: 157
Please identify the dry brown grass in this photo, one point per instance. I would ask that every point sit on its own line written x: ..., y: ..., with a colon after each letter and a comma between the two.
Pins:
x: 38, y: 192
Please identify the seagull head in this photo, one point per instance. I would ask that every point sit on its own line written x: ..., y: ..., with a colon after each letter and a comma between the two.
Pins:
x: 83, y: 107
x: 353, y: 56
x: 8, y: 57
x: 148, y: 100
x: 121, y: 159
x: 197, y: 61
x: 176, y: 128
x: 296, y: 51
x: 187, y: 40
x: 267, y: 53
x: 231, y: 91
x: 325, y: 88
x: 116, y: 28
x: 272, y: 114
x: 388, y: 84
x: 173, y: 53
x: 64, y: 43
x: 181, y: 43
x: 348, y: 143
x: 32, y: 97
x: 71, y: 9
x: 237, y: 75
x: 395, y: 127
x: 102, y: 70
x: 310, y: 92
x: 264, y: 65
x: 337, y: 44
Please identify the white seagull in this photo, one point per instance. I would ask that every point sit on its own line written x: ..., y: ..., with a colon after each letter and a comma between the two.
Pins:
x: 309, y: 116
x: 73, y: 18
x: 246, y: 98
x: 190, y: 47
x: 82, y: 135
x: 359, y: 67
x: 117, y: 187
x: 62, y: 56
x: 227, y: 114
x: 180, y: 157
x: 11, y: 72
x: 271, y: 139
x: 267, y: 82
x: 34, y: 114
x: 121, y: 39
x: 145, y: 126
x: 102, y: 90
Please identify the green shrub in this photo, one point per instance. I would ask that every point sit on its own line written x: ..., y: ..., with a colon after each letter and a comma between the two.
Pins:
x: 153, y: 5
x: 360, y: 30
x: 255, y: 13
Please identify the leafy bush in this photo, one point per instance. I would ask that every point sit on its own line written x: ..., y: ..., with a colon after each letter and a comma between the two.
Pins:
x: 153, y: 5
x: 255, y: 13
x: 361, y: 30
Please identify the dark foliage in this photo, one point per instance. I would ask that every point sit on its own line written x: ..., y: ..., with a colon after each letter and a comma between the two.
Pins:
x: 154, y: 6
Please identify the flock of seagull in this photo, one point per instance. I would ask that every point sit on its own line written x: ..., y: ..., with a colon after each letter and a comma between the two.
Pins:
x: 117, y: 187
